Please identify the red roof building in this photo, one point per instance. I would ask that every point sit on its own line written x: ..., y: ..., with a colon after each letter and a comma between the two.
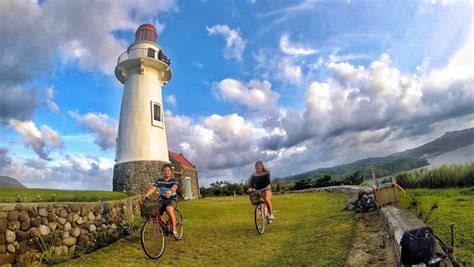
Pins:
x: 187, y: 175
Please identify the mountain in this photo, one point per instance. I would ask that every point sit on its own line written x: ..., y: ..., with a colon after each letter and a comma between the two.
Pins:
x: 8, y: 182
x: 396, y: 162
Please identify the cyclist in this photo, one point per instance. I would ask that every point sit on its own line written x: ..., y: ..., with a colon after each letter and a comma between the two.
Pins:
x: 166, y: 187
x: 261, y: 180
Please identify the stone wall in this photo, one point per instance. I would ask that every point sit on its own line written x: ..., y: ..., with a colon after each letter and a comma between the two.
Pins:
x: 136, y: 176
x: 66, y: 228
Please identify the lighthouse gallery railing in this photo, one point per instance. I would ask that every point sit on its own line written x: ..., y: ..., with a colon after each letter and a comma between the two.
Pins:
x: 144, y: 52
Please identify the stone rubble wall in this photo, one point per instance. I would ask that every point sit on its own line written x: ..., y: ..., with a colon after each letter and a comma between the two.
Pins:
x: 66, y: 228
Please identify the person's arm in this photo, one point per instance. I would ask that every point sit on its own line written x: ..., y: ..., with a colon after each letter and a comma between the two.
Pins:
x: 250, y: 189
x: 150, y: 191
x: 172, y: 189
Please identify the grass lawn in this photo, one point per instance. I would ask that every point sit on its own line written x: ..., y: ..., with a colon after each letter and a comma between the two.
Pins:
x: 309, y: 229
x: 24, y: 195
x: 455, y: 206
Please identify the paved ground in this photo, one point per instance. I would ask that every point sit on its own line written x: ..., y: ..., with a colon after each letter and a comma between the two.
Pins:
x: 371, y: 245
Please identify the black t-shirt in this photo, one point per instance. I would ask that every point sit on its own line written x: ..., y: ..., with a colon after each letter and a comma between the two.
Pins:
x: 258, y: 182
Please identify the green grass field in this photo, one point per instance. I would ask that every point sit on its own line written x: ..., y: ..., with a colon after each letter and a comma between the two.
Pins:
x: 455, y: 206
x: 22, y: 195
x: 309, y: 229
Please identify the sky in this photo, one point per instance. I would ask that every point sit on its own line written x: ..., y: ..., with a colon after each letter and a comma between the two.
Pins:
x: 297, y: 84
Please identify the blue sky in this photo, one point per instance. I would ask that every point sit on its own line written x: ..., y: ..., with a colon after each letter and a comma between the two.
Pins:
x: 297, y: 84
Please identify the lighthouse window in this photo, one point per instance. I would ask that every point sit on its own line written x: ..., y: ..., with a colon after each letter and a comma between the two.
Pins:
x: 151, y: 53
x: 156, y: 114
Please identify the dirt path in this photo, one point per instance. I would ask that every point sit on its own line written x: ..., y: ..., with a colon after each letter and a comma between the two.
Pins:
x: 372, y: 245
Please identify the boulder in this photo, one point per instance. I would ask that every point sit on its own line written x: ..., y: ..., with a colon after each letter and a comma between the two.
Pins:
x: 13, y: 215
x: 25, y: 225
x: 67, y: 226
x: 60, y: 251
x: 20, y: 207
x: 65, y: 235
x: 62, y: 213
x: 85, y: 210
x: 80, y: 220
x: 75, y: 207
x: 91, y: 216
x: 11, y: 248
x: 51, y: 216
x: 32, y: 212
x: 61, y: 220
x: 35, y: 222
x: 75, y: 232
x: 34, y: 232
x: 10, y: 236
x: 44, y: 230
x: 22, y: 236
x: 23, y: 216
x: 83, y: 240
x: 92, y: 228
x: 52, y: 226
x: 44, y: 220
x: 42, y: 212
x: 13, y: 225
x: 70, y: 241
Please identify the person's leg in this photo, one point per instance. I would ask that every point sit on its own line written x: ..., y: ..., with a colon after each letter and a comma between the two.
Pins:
x: 267, y: 197
x: 170, y: 211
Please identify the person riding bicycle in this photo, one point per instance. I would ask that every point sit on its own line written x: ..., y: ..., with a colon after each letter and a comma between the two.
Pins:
x: 166, y: 187
x: 261, y: 180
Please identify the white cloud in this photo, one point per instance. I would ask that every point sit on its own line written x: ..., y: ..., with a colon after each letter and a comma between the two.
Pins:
x: 42, y: 142
x: 171, y: 100
x: 104, y: 127
x: 235, y: 44
x: 291, y: 72
x: 49, y: 100
x: 256, y: 95
x: 295, y: 49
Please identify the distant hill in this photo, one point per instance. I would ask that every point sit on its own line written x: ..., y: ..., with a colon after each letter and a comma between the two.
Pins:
x: 397, y: 162
x: 10, y: 182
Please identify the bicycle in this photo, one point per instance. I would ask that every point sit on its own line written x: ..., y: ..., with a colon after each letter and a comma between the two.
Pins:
x: 155, y: 230
x: 261, y: 211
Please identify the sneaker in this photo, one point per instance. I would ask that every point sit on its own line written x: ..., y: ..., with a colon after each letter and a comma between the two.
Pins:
x: 175, y: 235
x: 270, y: 218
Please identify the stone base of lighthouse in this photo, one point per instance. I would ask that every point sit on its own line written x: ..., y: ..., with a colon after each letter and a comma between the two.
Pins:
x: 136, y: 177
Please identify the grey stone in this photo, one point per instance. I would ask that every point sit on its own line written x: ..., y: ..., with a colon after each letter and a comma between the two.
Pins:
x: 51, y: 216
x: 13, y: 225
x: 70, y: 241
x: 42, y: 212
x: 75, y: 232
x: 34, y: 232
x: 32, y: 212
x: 135, y: 176
x: 62, y: 213
x: 20, y: 207
x: 92, y: 228
x: 83, y: 240
x: 90, y: 216
x: 80, y: 220
x: 65, y: 235
x: 24, y: 226
x: 10, y: 236
x: 52, y: 226
x: 22, y: 236
x: 44, y: 220
x: 44, y: 230
x: 35, y: 222
x: 75, y: 207
x: 23, y: 216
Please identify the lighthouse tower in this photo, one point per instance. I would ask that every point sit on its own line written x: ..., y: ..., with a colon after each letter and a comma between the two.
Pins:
x: 141, y: 143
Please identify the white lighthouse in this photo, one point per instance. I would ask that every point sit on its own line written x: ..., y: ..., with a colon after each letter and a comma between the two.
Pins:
x: 141, y: 143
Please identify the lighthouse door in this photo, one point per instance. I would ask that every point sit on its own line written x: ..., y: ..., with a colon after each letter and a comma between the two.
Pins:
x: 187, y: 188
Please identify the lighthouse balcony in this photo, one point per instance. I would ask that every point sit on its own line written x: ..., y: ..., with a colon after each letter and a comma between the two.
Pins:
x: 143, y: 56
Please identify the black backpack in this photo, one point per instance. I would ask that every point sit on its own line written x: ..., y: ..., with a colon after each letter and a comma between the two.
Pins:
x: 418, y: 246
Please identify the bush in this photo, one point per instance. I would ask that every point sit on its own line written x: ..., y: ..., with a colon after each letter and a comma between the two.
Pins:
x: 456, y: 175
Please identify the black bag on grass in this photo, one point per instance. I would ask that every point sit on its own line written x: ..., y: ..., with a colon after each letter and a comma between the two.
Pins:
x: 418, y: 246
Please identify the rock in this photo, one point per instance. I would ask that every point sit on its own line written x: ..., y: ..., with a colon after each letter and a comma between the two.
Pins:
x: 25, y: 225
x: 80, y: 220
x: 70, y: 241
x: 13, y: 225
x: 72, y: 249
x: 107, y: 208
x: 91, y: 216
x: 34, y: 232
x: 98, y: 217
x: 3, y: 215
x: 75, y: 217
x: 3, y: 239
x: 44, y: 220
x: 75, y: 207
x: 92, y: 228
x: 20, y: 207
x: 51, y: 216
x: 52, y: 226
x: 60, y: 251
x: 6, y: 259
x: 97, y: 209
x: 57, y: 241
x: 67, y: 226
x: 84, y: 231
x: 42, y: 212
x: 32, y: 212
x: 85, y: 210
x: 83, y: 240
x: 22, y: 248
x: 22, y: 236
x: 44, y: 230
x: 75, y: 232
x: 62, y: 213
x: 3, y: 248
x: 35, y: 222
x: 11, y: 248
x: 10, y: 236
x: 61, y: 220
x: 13, y: 215
x: 65, y: 235
x: 23, y: 216
x: 3, y: 226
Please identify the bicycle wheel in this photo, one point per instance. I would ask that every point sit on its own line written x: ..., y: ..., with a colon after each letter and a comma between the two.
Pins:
x: 153, y: 239
x: 179, y: 224
x: 260, y: 218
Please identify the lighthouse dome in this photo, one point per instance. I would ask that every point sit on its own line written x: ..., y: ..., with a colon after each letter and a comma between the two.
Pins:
x: 146, y: 32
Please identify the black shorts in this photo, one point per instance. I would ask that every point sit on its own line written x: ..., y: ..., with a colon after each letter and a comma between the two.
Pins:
x: 167, y: 202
